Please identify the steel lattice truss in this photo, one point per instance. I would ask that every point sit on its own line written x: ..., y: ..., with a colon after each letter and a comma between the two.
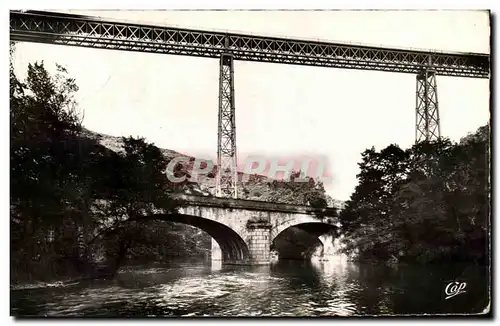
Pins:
x: 84, y: 31
x: 427, y: 109
x: 55, y: 28
x: 226, y: 147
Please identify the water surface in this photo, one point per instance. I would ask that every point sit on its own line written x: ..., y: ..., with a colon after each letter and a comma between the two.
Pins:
x: 287, y: 288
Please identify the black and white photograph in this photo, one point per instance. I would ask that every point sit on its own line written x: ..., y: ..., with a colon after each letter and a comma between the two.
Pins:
x: 250, y: 163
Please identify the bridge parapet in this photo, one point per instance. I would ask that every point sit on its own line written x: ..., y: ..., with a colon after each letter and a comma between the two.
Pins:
x: 207, y: 201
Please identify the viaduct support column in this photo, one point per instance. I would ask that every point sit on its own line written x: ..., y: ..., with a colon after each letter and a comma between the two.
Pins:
x: 226, y: 143
x: 427, y: 110
x: 259, y: 242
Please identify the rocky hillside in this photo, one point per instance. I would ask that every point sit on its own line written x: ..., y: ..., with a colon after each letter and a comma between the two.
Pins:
x: 257, y: 188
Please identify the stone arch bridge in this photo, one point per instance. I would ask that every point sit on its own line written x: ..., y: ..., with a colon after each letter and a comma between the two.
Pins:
x: 245, y: 229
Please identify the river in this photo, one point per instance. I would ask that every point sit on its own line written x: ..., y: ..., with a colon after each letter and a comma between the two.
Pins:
x: 286, y: 288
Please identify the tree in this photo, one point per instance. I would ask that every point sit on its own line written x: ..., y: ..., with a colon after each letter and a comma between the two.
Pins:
x: 135, y: 189
x: 44, y: 127
x: 426, y: 203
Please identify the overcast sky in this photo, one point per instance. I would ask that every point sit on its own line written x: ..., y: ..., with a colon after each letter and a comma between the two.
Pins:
x: 280, y: 109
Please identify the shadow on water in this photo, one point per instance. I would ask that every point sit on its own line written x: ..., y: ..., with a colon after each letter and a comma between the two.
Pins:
x: 286, y: 288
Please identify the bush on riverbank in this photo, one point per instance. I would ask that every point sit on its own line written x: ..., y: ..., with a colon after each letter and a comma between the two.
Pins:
x: 429, y: 203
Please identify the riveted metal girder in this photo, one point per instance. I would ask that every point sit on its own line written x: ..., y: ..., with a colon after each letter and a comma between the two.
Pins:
x: 427, y: 108
x: 227, y: 176
x: 85, y: 31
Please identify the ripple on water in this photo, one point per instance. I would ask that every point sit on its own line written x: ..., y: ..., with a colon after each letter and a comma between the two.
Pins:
x: 188, y: 291
x: 286, y: 290
x: 41, y: 285
x: 222, y: 294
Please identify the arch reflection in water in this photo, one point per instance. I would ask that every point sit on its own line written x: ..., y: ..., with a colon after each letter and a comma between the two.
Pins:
x: 216, y: 265
x: 335, y: 269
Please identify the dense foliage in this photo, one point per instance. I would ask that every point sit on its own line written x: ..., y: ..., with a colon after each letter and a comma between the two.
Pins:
x: 427, y: 203
x: 73, y: 200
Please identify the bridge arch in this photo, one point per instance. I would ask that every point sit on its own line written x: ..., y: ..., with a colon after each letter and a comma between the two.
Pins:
x: 309, y: 224
x: 233, y: 247
x: 315, y: 228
